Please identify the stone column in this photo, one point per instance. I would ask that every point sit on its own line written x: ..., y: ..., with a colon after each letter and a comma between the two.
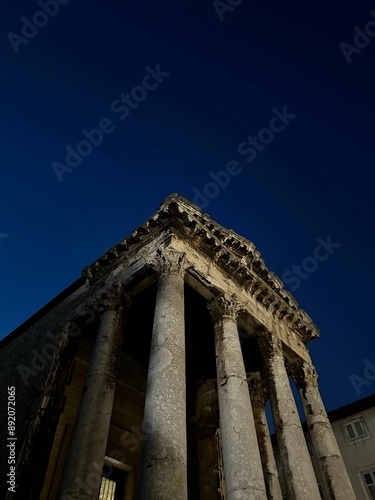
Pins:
x: 259, y: 396
x: 295, y: 458
x: 84, y: 463
x: 164, y: 453
x: 322, y: 436
x: 210, y: 466
x: 242, y: 464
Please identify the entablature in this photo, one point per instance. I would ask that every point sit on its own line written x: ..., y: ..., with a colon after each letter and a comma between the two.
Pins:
x: 236, y: 256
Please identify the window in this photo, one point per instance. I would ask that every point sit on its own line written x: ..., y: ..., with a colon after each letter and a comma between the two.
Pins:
x: 369, y: 481
x: 113, y: 482
x: 355, y: 429
x: 107, y: 489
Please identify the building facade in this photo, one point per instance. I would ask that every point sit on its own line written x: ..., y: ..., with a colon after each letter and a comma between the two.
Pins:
x: 135, y: 382
x: 354, y: 428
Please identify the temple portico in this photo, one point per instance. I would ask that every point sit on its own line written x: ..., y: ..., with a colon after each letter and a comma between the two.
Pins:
x: 162, y: 398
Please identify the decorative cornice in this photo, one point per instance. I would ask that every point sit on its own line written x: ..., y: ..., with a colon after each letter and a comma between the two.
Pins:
x: 221, y: 306
x: 236, y: 256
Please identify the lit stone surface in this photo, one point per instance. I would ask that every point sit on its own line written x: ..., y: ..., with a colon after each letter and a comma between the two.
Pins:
x: 299, y: 472
x: 322, y: 436
x: 242, y: 463
x: 258, y: 394
x: 164, y: 461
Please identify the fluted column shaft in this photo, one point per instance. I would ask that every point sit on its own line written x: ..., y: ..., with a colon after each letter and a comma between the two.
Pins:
x: 83, y: 466
x: 295, y: 458
x: 258, y: 394
x: 242, y: 464
x: 164, y: 453
x: 324, y: 441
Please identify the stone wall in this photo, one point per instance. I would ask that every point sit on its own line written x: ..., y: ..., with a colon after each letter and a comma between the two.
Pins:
x: 25, y: 361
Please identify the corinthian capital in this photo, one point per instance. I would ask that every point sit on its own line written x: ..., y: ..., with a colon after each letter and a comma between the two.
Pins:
x: 304, y: 374
x: 112, y: 299
x: 258, y: 391
x: 270, y: 344
x: 169, y: 261
x: 222, y: 306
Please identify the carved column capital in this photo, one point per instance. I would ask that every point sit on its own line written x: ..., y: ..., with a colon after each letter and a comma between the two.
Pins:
x: 65, y: 331
x: 269, y: 343
x: 222, y: 306
x: 112, y: 299
x: 169, y: 261
x: 304, y: 374
x: 258, y: 392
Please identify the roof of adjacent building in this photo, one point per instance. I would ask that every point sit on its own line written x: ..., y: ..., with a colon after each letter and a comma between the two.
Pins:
x: 352, y: 408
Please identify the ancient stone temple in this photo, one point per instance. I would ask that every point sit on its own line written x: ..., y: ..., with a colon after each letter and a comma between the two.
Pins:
x: 148, y: 377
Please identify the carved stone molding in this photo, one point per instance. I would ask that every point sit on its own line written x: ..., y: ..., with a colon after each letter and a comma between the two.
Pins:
x: 222, y: 306
x: 169, y: 261
x: 304, y: 374
x: 64, y: 333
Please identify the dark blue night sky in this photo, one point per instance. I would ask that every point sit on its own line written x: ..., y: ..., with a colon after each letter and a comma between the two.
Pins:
x: 218, y: 77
